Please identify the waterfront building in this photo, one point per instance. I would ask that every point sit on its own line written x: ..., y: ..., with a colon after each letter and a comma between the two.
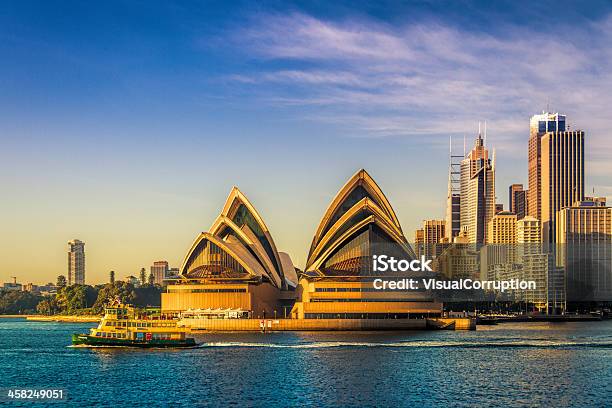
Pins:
x: 584, y: 251
x: 235, y: 265
x: 339, y: 273
x: 159, y: 269
x: 538, y: 126
x: 76, y: 262
x: 477, y: 192
x: 517, y: 200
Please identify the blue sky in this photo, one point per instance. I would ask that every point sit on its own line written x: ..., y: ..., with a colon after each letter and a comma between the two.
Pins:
x: 125, y: 124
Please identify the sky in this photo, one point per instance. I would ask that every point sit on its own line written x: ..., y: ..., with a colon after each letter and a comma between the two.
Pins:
x: 126, y: 123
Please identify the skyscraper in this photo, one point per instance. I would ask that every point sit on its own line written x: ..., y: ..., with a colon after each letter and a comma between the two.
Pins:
x: 517, y: 200
x: 538, y: 126
x: 477, y: 192
x: 562, y: 176
x: 433, y: 233
x: 76, y: 262
x: 453, y: 199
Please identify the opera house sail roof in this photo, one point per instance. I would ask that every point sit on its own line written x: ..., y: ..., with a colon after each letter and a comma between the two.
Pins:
x: 358, y: 223
x: 238, y: 246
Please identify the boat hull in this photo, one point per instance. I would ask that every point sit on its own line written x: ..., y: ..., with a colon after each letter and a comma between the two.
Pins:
x: 85, y: 339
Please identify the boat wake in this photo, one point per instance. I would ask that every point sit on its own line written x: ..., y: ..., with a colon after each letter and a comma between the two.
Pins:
x: 421, y: 344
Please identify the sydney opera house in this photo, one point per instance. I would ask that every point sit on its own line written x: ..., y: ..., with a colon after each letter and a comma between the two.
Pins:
x: 236, y: 265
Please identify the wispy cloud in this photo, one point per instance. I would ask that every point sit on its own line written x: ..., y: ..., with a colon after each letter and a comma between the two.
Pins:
x: 430, y: 78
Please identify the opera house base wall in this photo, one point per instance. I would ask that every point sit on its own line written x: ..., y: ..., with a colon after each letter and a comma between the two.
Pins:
x: 259, y: 299
x: 219, y: 325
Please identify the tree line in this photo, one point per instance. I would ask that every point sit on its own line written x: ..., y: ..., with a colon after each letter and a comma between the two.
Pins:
x: 79, y: 299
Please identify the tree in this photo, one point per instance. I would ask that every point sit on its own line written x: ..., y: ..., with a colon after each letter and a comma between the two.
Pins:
x: 112, y: 277
x: 61, y: 281
x: 143, y: 277
x: 18, y: 302
x: 151, y: 279
x: 119, y: 290
x: 73, y: 298
x: 48, y: 306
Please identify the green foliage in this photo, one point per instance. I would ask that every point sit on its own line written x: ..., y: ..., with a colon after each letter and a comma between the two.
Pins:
x: 70, y: 299
x: 18, y: 302
x: 149, y: 295
x: 61, y: 281
x: 48, y: 306
x: 79, y: 299
x: 119, y: 290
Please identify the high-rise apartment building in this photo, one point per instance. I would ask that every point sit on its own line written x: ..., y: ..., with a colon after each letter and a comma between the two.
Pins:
x: 76, y: 262
x: 538, y: 126
x: 528, y: 231
x: 159, y: 269
x: 517, y: 200
x: 502, y: 228
x: 562, y: 176
x: 477, y: 192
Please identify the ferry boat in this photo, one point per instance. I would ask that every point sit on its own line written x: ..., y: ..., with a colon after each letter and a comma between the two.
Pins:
x: 123, y: 325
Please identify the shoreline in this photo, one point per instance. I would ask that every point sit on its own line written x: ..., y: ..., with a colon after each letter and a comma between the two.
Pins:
x: 58, y: 318
x: 65, y: 319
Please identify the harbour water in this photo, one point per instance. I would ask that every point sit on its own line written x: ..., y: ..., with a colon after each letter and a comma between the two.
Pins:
x: 511, y: 365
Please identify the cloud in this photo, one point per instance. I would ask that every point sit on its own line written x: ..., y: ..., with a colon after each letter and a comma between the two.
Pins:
x: 432, y: 79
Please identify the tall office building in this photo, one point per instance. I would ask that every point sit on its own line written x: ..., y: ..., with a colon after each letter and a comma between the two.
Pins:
x: 453, y: 198
x: 562, y: 176
x: 477, y: 192
x: 159, y: 269
x: 419, y: 244
x: 538, y: 126
x: 76, y: 262
x: 517, y: 200
x: 584, y: 241
x: 433, y: 231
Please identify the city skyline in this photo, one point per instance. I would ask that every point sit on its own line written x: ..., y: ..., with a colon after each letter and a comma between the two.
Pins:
x: 114, y: 138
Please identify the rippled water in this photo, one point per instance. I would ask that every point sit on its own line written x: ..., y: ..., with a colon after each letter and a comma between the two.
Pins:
x: 522, y: 364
